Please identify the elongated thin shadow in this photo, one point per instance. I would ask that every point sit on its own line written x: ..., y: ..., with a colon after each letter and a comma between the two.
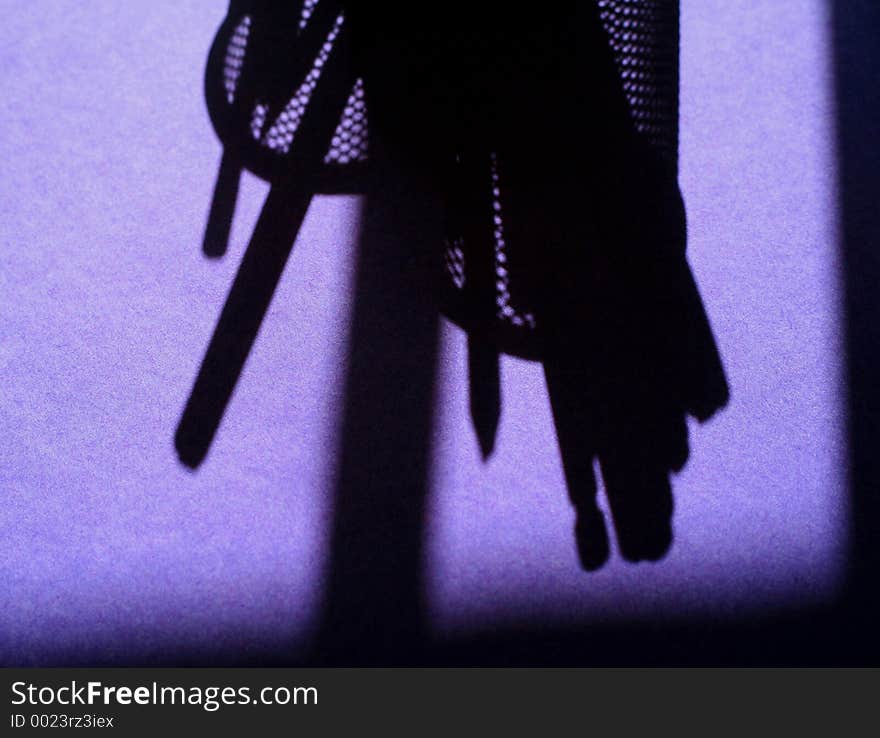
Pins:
x: 295, y: 174
x: 222, y: 210
x: 240, y: 320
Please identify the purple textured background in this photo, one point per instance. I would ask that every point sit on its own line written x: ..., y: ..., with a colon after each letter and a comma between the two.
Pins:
x: 111, y: 549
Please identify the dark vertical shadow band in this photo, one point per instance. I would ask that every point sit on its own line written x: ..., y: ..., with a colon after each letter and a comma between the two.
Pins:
x: 856, y: 26
x: 374, y: 594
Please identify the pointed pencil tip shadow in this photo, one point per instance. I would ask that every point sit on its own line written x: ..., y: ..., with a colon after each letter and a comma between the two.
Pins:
x: 485, y: 392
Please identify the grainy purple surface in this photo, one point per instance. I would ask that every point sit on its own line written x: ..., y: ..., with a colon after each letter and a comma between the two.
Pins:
x: 110, y: 547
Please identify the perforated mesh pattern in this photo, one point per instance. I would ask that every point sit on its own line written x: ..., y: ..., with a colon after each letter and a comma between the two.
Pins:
x: 280, y: 134
x: 308, y: 9
x: 455, y: 261
x: 235, y: 57
x: 643, y: 35
x: 276, y: 131
x: 350, y: 140
x: 504, y: 308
